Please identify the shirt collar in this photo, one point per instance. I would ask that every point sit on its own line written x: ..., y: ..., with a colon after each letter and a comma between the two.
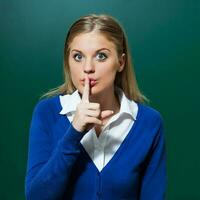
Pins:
x: 69, y: 103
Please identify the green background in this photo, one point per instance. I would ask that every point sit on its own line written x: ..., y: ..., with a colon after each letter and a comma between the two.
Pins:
x: 164, y: 38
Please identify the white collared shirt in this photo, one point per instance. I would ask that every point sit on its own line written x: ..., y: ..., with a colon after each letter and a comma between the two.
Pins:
x: 101, y: 149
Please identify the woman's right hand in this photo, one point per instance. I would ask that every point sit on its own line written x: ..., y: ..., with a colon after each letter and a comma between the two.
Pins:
x: 88, y: 114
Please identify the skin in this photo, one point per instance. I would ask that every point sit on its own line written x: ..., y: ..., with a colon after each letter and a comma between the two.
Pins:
x: 87, y: 60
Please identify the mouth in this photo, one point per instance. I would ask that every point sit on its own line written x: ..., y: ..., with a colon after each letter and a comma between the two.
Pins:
x: 93, y: 82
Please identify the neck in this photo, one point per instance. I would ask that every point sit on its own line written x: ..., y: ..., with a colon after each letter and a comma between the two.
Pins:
x: 108, y: 100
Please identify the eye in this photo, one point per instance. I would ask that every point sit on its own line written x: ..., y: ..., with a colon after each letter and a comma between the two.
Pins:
x: 77, y: 57
x: 102, y: 56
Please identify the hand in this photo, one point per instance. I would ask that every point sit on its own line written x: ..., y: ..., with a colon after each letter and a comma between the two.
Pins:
x: 88, y: 114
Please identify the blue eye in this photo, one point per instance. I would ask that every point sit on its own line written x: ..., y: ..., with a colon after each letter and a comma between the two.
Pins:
x: 77, y: 56
x: 102, y: 56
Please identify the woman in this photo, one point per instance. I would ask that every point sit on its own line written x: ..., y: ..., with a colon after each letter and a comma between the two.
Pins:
x: 93, y: 137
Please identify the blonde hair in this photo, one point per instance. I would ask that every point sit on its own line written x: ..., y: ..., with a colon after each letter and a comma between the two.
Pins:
x: 112, y: 30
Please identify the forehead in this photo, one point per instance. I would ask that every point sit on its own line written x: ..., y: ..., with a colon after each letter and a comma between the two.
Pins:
x: 91, y: 41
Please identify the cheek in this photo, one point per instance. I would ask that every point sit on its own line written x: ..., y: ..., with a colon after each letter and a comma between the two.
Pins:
x: 108, y: 70
x: 75, y: 74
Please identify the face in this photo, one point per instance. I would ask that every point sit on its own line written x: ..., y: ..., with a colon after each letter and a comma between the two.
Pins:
x: 92, y: 54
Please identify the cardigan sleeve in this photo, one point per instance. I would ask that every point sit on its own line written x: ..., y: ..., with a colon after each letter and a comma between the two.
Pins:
x: 154, y: 180
x: 48, y: 170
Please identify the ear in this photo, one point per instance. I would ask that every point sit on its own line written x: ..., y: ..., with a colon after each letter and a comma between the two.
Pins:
x: 122, y: 60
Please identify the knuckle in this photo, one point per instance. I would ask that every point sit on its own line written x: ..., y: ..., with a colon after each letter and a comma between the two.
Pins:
x: 97, y: 105
x: 98, y: 112
x: 85, y: 120
x: 99, y: 122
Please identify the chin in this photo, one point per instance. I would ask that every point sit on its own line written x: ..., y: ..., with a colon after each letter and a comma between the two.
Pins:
x: 96, y: 91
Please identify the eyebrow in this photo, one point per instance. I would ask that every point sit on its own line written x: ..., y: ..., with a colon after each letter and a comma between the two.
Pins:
x: 95, y: 51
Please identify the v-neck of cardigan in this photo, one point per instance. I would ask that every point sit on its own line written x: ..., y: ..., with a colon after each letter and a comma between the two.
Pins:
x: 116, y: 154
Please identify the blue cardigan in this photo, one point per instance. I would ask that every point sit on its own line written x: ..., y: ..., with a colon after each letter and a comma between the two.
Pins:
x: 59, y: 168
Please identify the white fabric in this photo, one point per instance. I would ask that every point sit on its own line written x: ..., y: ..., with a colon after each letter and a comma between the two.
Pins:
x: 101, y: 149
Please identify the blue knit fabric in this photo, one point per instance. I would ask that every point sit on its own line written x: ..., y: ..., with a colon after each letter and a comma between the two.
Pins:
x: 59, y: 168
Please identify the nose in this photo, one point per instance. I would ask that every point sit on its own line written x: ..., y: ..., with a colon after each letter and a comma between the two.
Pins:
x: 88, y: 66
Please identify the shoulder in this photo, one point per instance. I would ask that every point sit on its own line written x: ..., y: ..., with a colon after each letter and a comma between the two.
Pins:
x: 151, y: 123
x: 47, y: 106
x: 150, y: 115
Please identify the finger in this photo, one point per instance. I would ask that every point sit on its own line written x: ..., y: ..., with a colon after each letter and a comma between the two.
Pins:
x: 93, y: 106
x: 106, y: 113
x: 93, y: 113
x: 86, y: 90
x: 93, y: 120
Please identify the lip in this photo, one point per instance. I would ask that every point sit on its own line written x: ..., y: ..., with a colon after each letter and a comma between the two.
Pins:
x: 91, y: 79
x: 92, y: 82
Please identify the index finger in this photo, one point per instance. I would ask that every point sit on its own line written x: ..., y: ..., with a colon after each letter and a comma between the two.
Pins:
x: 86, y: 90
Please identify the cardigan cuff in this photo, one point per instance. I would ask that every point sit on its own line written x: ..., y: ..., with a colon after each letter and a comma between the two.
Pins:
x: 72, y: 137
